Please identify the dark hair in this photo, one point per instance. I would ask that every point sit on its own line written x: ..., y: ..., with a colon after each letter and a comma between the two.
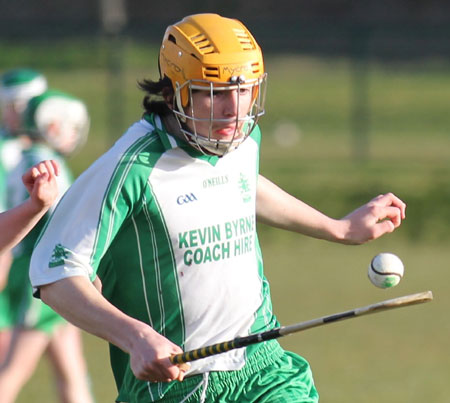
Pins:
x: 158, y: 94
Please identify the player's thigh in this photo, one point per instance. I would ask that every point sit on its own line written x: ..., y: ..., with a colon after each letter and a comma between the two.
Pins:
x: 65, y: 350
x: 26, y: 348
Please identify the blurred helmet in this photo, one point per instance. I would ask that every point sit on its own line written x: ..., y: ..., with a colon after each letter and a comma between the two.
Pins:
x: 59, y: 119
x: 207, y: 52
x: 21, y: 84
x: 16, y: 88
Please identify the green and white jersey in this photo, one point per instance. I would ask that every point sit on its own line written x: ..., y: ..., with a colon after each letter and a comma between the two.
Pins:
x: 17, y: 193
x: 10, y: 155
x: 22, y: 308
x: 172, y: 234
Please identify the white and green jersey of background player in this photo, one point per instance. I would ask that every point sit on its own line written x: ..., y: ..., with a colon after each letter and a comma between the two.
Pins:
x: 17, y: 192
x: 23, y: 309
x: 61, y: 115
x: 172, y: 235
x: 17, y: 86
x: 10, y: 153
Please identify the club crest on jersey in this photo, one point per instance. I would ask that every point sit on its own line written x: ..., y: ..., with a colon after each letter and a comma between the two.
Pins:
x: 187, y: 198
x: 244, y: 186
x: 59, y: 255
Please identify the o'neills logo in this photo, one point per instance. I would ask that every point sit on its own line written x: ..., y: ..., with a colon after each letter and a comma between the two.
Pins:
x: 215, y: 181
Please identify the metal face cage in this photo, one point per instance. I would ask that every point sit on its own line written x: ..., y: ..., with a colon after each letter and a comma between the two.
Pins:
x: 244, y: 125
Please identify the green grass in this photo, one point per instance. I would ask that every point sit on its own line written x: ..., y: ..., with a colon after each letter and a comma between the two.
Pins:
x: 394, y: 357
x: 399, y: 356
x: 390, y: 357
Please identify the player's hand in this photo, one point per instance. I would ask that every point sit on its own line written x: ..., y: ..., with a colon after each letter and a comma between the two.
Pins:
x: 40, y: 182
x: 381, y: 215
x: 149, y: 358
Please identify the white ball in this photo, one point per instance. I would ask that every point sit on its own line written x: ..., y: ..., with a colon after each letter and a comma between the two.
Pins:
x: 385, y: 270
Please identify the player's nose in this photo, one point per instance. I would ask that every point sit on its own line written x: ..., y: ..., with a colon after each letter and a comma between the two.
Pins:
x: 230, y: 103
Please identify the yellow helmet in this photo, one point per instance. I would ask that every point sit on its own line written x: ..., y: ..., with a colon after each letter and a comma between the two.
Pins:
x: 209, y: 47
x: 205, y: 51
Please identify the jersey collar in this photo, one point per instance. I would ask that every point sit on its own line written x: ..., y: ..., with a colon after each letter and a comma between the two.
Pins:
x: 170, y: 141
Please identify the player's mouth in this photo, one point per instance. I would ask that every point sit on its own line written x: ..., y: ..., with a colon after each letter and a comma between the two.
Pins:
x: 228, y: 132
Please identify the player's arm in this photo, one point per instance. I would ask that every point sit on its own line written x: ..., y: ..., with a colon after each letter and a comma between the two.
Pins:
x: 80, y: 302
x: 279, y: 209
x: 16, y: 223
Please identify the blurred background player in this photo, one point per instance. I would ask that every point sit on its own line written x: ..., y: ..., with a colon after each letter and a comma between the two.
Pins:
x: 57, y: 124
x: 17, y: 87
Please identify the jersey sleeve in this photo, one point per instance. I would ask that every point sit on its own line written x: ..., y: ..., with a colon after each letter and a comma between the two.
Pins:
x: 88, y: 217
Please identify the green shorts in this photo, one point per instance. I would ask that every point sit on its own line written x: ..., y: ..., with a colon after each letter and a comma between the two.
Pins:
x: 35, y: 314
x: 270, y: 375
x: 11, y: 296
x: 18, y: 307
x: 5, y: 319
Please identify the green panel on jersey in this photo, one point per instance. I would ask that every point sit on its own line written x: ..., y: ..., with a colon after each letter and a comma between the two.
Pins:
x: 163, y: 259
x: 133, y: 230
x: 264, y: 318
x: 118, y: 200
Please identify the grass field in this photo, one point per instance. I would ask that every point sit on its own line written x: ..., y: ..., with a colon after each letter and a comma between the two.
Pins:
x: 392, y: 357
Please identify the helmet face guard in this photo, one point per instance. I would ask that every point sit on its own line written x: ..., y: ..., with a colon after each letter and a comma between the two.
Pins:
x: 243, y: 123
x: 207, y: 52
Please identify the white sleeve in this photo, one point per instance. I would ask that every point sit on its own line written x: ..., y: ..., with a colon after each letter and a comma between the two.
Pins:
x: 66, y: 244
